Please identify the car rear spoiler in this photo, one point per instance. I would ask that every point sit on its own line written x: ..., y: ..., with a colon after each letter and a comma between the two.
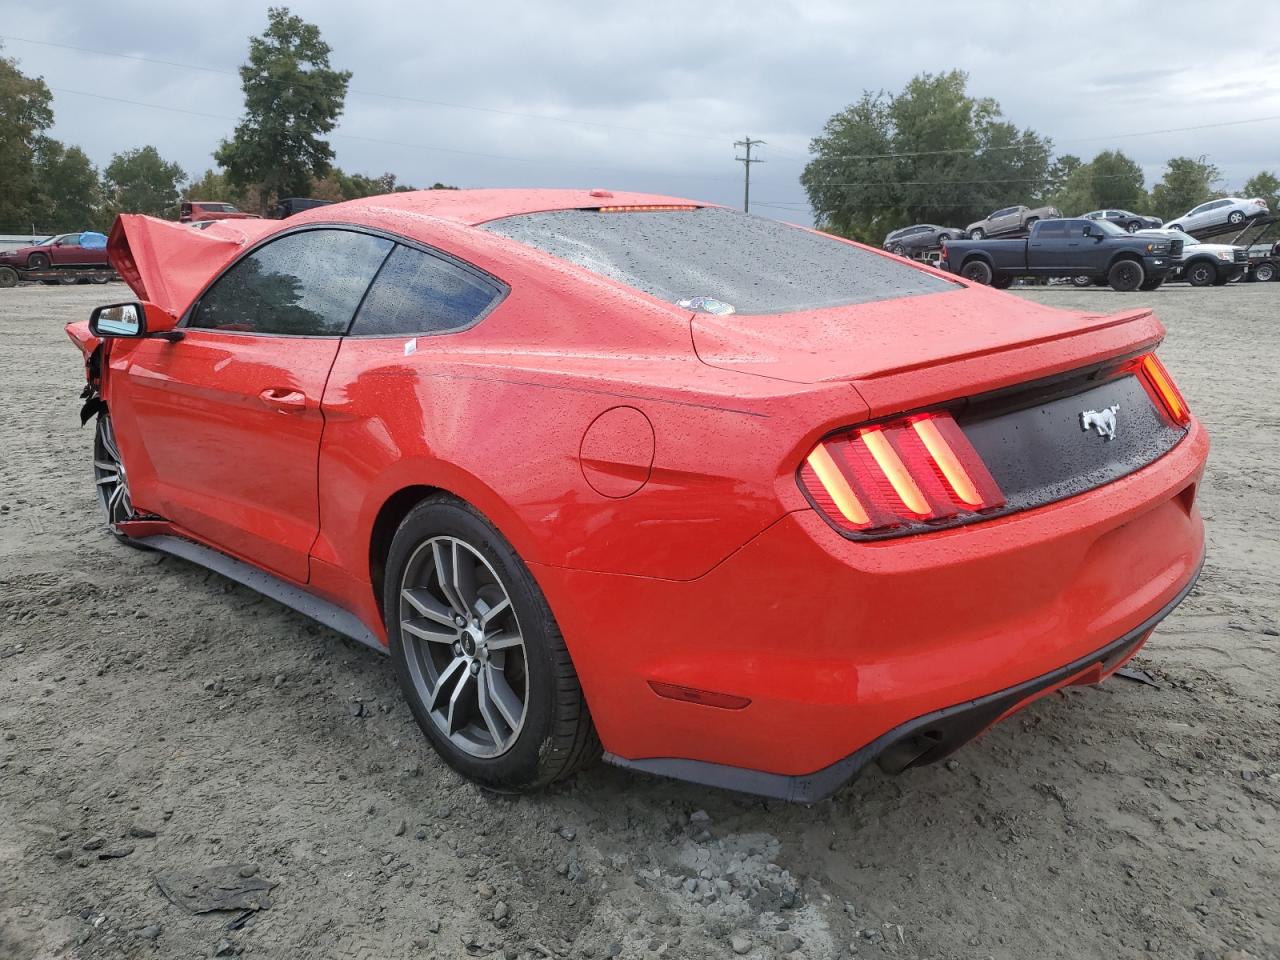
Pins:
x: 169, y: 263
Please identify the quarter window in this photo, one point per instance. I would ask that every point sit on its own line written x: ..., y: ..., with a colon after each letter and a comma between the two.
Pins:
x: 420, y: 293
x: 304, y: 284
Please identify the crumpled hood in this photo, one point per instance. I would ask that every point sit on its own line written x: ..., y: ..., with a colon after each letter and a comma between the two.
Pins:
x: 885, y: 337
x: 169, y: 263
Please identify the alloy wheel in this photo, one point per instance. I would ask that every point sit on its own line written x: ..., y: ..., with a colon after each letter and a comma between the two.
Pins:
x: 465, y: 652
x: 109, y: 476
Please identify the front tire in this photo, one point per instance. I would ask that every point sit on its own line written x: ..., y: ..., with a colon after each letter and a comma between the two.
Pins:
x: 1125, y: 276
x: 1201, y: 274
x: 478, y: 652
x: 977, y: 234
x: 899, y: 250
x: 110, y: 479
x: 38, y: 261
x: 1264, y: 272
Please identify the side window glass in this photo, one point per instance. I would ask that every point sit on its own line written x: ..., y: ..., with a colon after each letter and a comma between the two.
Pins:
x: 1051, y: 230
x: 419, y: 293
x: 304, y: 284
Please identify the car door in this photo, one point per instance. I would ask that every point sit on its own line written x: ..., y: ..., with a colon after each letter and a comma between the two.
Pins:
x: 1047, y: 247
x: 66, y: 250
x: 1080, y: 249
x: 228, y: 417
x: 1002, y: 221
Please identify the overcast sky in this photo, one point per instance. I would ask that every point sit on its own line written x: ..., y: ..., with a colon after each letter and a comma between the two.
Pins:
x: 651, y: 95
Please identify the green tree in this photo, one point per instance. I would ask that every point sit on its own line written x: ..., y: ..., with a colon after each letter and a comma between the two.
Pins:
x: 929, y: 153
x: 69, y: 190
x: 141, y: 181
x: 1111, y: 179
x: 1186, y: 182
x: 213, y: 185
x: 292, y: 97
x: 25, y: 114
x: 1060, y: 172
x: 1266, y: 186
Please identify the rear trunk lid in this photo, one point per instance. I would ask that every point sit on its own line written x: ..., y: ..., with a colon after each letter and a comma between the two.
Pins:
x: 911, y: 352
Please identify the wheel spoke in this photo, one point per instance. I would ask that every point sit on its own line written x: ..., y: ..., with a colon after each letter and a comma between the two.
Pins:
x: 504, y: 697
x: 444, y: 575
x: 451, y: 720
x: 109, y: 478
x: 447, y: 676
x: 464, y: 579
x: 503, y: 641
x: 428, y: 606
x: 486, y: 710
x: 487, y: 613
x: 428, y: 632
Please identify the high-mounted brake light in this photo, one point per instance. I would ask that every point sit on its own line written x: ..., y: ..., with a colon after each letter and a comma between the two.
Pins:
x: 648, y: 208
x: 1161, y: 384
x: 920, y: 470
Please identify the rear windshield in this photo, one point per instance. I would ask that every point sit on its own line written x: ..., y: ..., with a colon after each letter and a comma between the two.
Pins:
x: 752, y: 264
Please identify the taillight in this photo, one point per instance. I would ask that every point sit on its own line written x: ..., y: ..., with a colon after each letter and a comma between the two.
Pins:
x: 1161, y: 385
x: 915, y: 471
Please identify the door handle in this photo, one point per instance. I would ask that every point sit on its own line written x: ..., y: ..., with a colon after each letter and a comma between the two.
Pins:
x: 284, y: 399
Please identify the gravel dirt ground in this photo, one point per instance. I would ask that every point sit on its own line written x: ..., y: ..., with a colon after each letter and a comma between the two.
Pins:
x: 157, y: 712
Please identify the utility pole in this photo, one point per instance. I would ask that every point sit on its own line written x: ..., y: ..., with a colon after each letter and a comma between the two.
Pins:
x: 747, y: 143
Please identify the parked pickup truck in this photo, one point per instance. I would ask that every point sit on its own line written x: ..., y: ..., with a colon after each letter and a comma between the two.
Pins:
x: 1066, y: 248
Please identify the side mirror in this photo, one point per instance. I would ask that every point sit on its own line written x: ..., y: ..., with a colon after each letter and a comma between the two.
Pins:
x: 133, y: 320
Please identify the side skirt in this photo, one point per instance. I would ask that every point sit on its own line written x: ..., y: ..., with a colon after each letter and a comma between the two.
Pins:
x: 269, y: 585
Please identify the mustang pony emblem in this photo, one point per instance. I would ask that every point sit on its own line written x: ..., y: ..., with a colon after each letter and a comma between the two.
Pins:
x: 1104, y: 421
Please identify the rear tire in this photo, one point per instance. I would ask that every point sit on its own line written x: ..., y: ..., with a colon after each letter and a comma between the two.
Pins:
x: 448, y: 562
x: 1002, y: 281
x: 1031, y: 221
x: 1200, y: 274
x: 1125, y: 276
x: 1263, y: 273
x: 1133, y: 226
x: 1235, y: 218
x: 8, y: 277
x: 976, y: 271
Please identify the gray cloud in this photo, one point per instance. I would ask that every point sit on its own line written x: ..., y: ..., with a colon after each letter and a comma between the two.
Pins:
x: 658, y: 91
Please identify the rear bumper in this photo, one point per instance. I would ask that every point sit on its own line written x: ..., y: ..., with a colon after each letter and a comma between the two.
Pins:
x: 837, y: 644
x: 924, y: 739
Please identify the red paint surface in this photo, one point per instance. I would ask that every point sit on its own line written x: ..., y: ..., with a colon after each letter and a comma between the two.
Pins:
x: 711, y: 572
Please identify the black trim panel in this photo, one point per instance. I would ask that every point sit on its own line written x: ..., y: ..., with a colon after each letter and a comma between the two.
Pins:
x: 922, y: 740
x: 269, y: 585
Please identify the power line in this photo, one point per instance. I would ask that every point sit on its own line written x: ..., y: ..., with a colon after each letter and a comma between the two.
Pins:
x: 747, y: 143
x: 1019, y: 146
x: 222, y: 71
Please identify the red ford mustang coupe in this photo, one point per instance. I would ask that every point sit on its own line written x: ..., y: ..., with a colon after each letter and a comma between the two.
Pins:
x: 730, y: 500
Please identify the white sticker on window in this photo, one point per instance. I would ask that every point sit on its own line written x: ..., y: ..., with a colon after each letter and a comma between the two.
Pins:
x: 410, y: 346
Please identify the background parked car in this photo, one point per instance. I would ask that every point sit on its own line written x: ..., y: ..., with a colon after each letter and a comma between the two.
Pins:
x: 1229, y: 211
x: 193, y: 210
x: 1010, y: 220
x: 1204, y: 264
x: 63, y: 250
x: 919, y: 236
x: 1125, y: 219
x: 1067, y: 248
